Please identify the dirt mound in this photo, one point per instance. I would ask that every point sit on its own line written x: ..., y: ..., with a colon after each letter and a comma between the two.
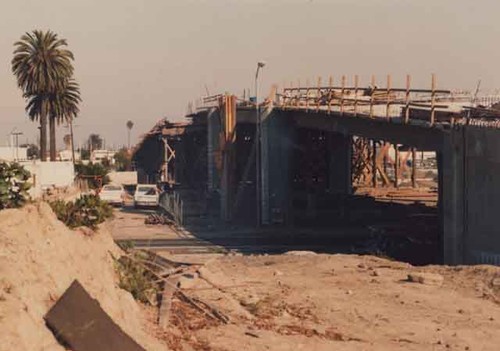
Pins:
x: 346, y: 302
x: 39, y: 258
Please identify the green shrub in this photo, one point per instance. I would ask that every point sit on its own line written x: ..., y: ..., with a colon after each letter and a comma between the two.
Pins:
x: 136, y: 278
x: 14, y: 185
x: 88, y: 211
x: 91, y: 170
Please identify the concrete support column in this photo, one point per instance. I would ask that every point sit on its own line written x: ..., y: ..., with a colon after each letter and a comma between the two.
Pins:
x: 213, y: 131
x: 278, y: 133
x: 266, y: 130
x: 339, y: 165
x: 451, y: 191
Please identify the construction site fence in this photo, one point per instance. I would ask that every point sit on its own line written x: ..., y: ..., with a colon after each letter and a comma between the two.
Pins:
x: 171, y: 203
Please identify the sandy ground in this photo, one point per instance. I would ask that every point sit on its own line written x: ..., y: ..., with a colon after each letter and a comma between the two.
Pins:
x: 294, y: 301
x: 129, y: 224
x: 338, y: 302
x: 39, y: 258
x: 328, y: 302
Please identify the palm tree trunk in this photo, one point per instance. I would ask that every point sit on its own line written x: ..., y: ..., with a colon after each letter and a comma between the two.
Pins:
x: 52, y: 127
x: 43, y: 134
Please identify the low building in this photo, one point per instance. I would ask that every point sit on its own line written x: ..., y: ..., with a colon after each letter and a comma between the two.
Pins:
x: 12, y: 153
x: 67, y: 155
x: 98, y: 156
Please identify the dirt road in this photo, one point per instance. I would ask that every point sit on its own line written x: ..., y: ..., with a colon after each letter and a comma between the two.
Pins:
x: 317, y: 301
x: 338, y: 302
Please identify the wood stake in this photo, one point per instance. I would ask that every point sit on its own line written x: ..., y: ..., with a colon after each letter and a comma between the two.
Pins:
x: 433, y: 98
x: 372, y: 95
x: 307, y: 95
x: 374, y: 164
x: 389, y: 80
x: 342, y: 96
x: 413, y: 167
x: 396, y: 165
x: 407, y: 99
x: 330, y: 94
x: 318, y: 96
x: 356, y: 82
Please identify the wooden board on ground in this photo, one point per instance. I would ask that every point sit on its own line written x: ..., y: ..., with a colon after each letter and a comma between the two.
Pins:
x: 79, y: 323
x: 166, y: 301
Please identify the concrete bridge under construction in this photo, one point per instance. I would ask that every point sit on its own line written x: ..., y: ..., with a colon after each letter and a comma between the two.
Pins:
x: 299, y: 157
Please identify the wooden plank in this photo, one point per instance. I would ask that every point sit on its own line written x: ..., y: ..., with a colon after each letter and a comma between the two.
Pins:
x: 166, y: 301
x: 78, y: 321
x: 394, y: 90
x: 383, y: 175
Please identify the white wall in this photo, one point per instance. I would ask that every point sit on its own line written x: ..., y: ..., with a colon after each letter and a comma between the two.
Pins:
x: 123, y: 178
x: 49, y: 174
x: 9, y: 153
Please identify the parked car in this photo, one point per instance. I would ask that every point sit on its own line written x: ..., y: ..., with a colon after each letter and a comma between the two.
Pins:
x: 113, y: 194
x: 146, y: 195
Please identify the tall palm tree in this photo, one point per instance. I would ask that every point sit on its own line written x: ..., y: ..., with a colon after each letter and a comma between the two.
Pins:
x: 60, y: 106
x: 42, y: 66
x: 130, y: 125
x: 65, y: 103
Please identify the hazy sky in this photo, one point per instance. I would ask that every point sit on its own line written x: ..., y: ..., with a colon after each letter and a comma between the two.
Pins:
x: 144, y: 60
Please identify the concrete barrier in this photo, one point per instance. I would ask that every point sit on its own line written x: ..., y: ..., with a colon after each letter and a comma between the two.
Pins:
x: 45, y: 175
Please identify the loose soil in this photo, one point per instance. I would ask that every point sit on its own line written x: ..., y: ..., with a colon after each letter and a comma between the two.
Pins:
x: 294, y: 301
x: 338, y: 302
x: 39, y: 258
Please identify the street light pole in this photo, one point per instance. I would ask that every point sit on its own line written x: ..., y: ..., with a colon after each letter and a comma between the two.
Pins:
x: 17, y: 134
x: 258, y: 146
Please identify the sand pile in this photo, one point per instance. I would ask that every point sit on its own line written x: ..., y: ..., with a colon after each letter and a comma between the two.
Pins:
x: 39, y: 258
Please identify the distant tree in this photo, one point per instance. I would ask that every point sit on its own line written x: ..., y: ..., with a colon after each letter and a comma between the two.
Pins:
x: 95, y: 142
x: 123, y: 160
x: 33, y: 151
x: 61, y: 105
x: 43, y: 68
x: 84, y: 154
x: 67, y: 141
x: 93, y: 172
x: 130, y: 125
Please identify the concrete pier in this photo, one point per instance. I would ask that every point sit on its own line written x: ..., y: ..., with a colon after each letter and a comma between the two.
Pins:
x: 468, y: 165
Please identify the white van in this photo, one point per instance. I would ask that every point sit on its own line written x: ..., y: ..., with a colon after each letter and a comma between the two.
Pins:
x: 146, y: 195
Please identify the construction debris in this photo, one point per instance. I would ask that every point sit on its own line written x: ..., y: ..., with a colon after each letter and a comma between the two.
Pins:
x: 166, y: 302
x: 158, y: 219
x: 78, y: 322
x: 426, y: 278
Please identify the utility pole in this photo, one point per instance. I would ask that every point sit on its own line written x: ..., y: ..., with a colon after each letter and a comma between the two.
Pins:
x: 257, y: 146
x: 16, y: 135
